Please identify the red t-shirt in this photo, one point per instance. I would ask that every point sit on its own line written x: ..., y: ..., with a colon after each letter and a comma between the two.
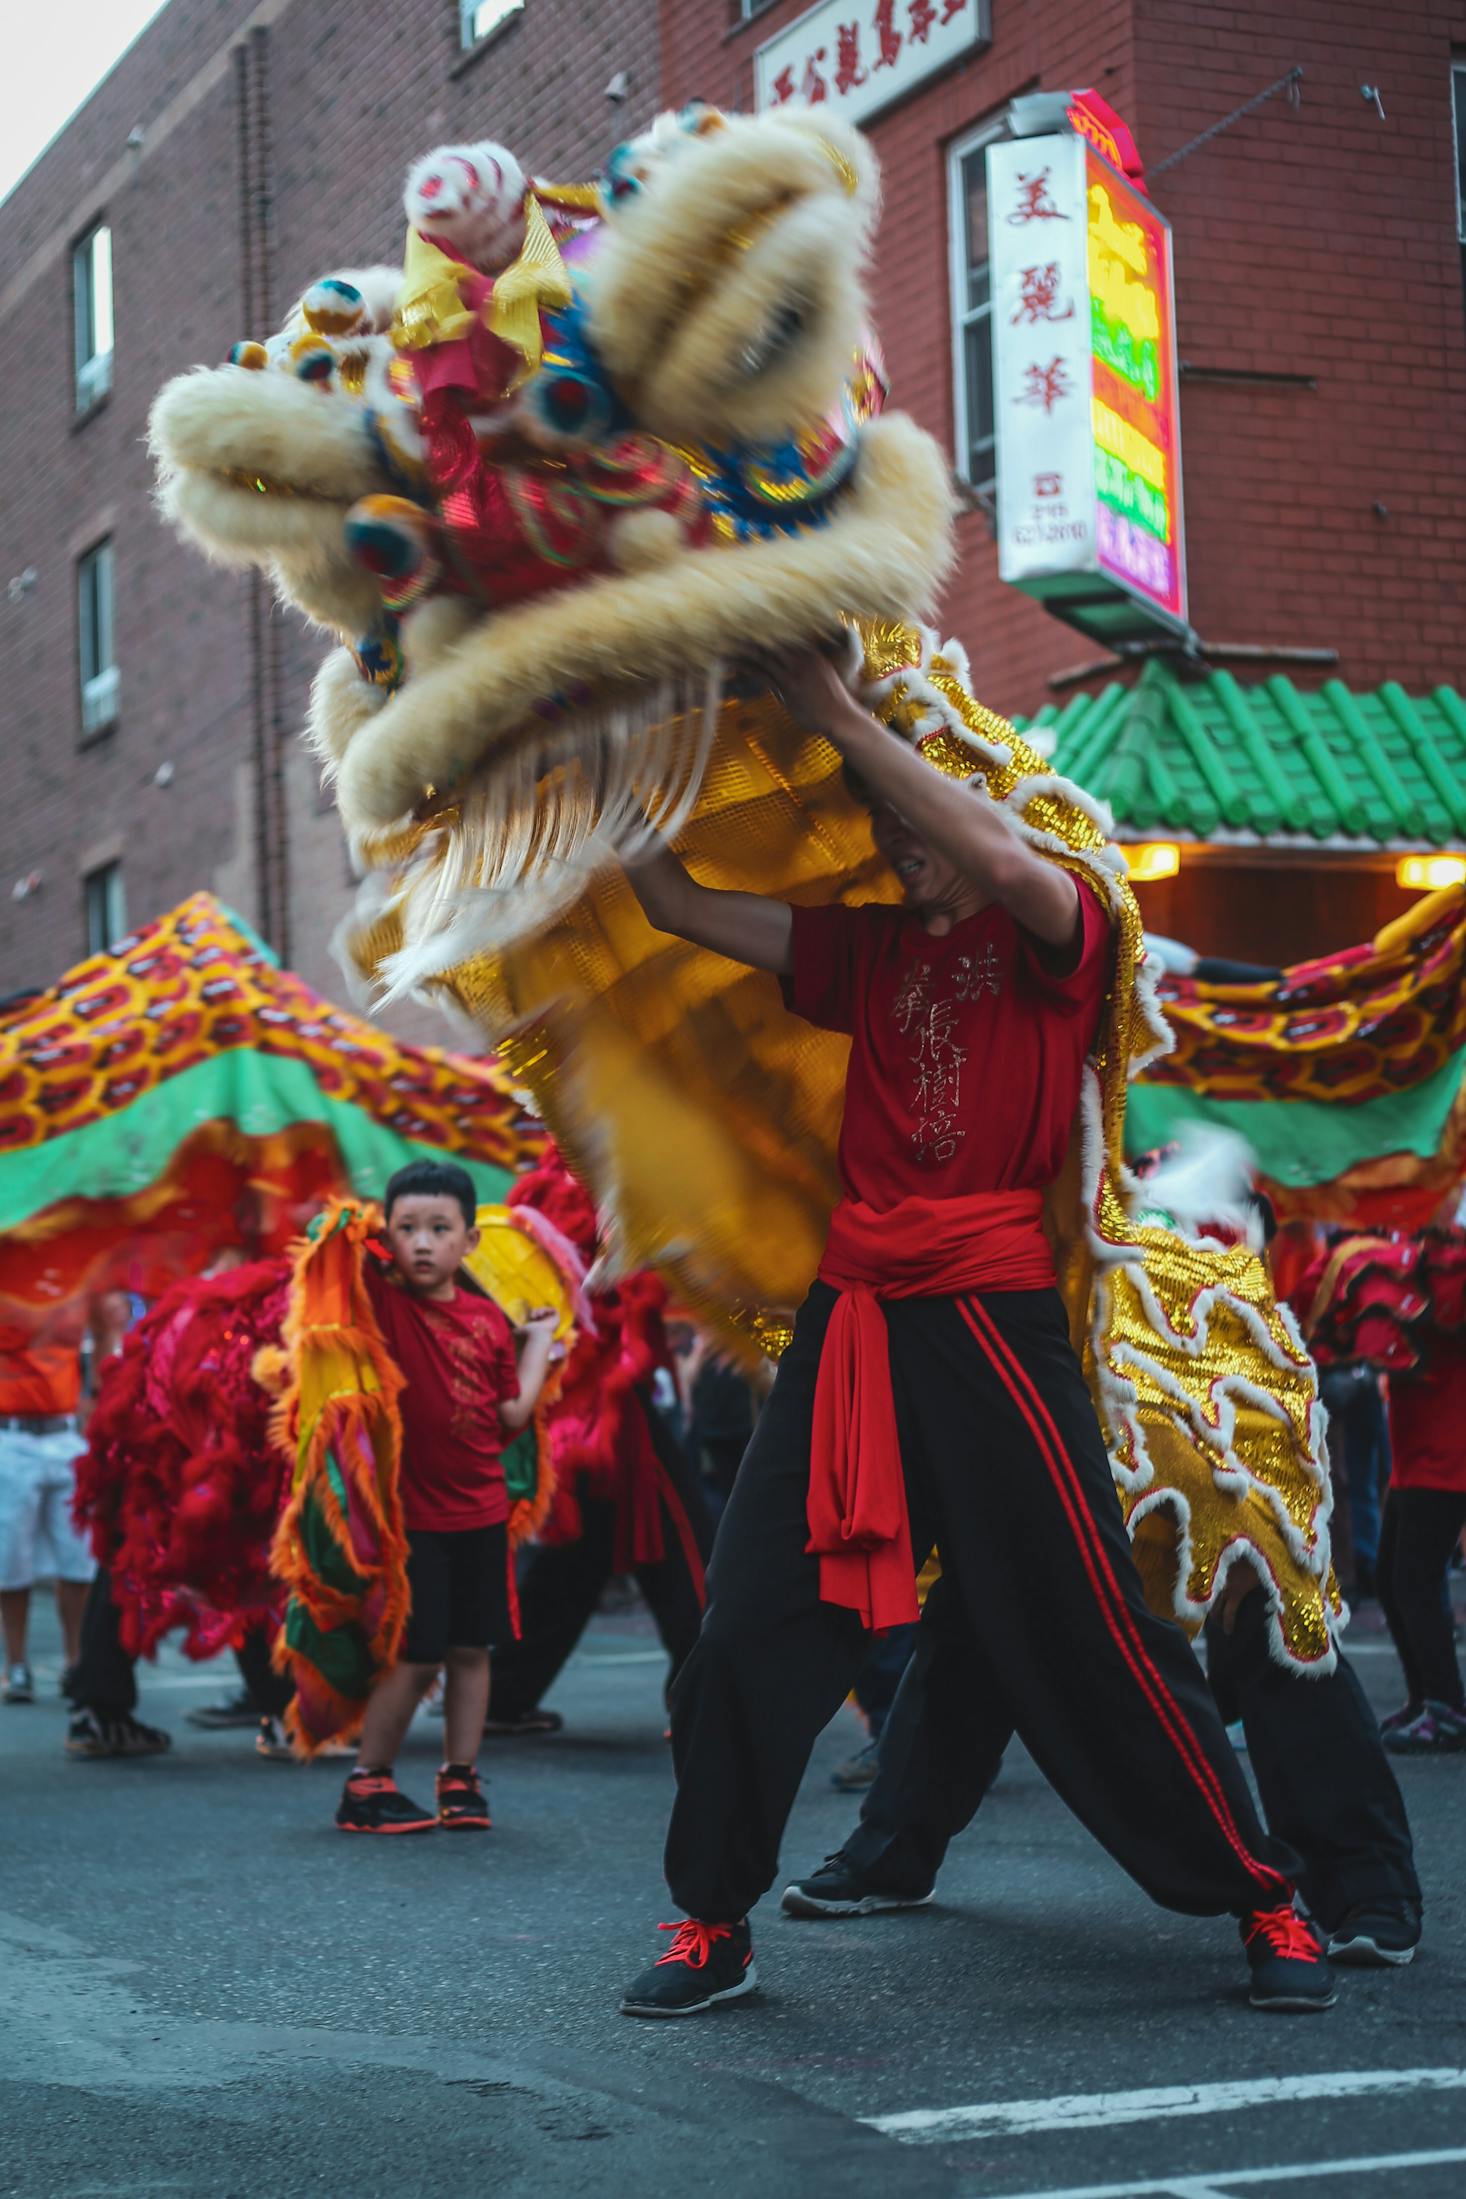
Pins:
x: 1428, y: 1419
x: 459, y: 1362
x: 967, y: 1050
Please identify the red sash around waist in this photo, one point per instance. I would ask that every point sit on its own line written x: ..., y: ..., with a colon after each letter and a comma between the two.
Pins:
x: 923, y: 1248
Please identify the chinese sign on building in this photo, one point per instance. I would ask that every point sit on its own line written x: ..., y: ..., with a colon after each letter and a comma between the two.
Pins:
x: 1084, y: 372
x: 860, y: 55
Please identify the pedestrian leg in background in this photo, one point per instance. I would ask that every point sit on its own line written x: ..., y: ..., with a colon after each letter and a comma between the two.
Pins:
x: 37, y: 1483
x: 562, y: 1584
x: 939, y: 1753
x: 104, y: 1686
x: 1326, y: 1786
x: 1421, y: 1529
x: 875, y: 1689
x: 269, y: 1694
x: 675, y: 1585
x: 559, y: 1588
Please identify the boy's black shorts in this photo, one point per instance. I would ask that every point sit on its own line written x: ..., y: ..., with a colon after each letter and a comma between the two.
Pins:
x: 459, y: 1583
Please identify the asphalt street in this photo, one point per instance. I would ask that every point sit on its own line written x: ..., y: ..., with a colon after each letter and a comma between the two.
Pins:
x: 205, y: 1990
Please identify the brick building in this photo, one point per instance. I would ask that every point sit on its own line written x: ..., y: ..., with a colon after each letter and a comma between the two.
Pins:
x: 238, y: 150
x: 242, y: 146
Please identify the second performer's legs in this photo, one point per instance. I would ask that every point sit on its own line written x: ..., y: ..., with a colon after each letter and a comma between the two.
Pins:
x: 940, y: 1752
x: 1321, y: 1769
x: 1109, y: 1700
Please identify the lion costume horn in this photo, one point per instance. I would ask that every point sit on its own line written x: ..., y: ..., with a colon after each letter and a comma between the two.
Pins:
x: 536, y: 579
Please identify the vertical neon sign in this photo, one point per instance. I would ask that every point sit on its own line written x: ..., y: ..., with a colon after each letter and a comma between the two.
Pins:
x: 1136, y: 412
x: 1086, y: 397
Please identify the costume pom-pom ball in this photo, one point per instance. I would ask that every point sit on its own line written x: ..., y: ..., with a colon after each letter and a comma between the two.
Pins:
x: 471, y: 199
x: 248, y: 355
x: 313, y: 359
x: 333, y: 307
x: 395, y: 540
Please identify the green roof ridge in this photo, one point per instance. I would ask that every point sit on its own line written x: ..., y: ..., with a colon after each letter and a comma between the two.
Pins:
x: 1189, y: 755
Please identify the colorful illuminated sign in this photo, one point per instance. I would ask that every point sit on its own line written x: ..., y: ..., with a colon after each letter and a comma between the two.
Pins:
x: 1086, y: 398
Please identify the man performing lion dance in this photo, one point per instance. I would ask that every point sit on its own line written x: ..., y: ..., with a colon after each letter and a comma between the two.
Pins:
x: 934, y: 1314
x: 538, y: 553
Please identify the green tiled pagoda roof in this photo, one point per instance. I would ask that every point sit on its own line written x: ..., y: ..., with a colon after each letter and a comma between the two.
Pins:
x: 1208, y: 758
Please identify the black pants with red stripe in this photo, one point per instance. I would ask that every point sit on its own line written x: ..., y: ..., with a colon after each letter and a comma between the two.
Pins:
x: 1321, y: 1770
x: 1006, y: 1469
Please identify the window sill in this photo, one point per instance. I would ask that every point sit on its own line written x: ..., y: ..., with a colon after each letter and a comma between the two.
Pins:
x: 470, y: 58
x: 97, y: 735
x: 85, y: 414
x: 747, y: 22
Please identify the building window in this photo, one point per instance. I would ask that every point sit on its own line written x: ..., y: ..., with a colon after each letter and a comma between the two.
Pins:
x: 972, y: 309
x: 91, y: 290
x: 95, y: 658
x: 479, y: 19
x: 1458, y: 115
x: 105, y: 905
x: 744, y: 11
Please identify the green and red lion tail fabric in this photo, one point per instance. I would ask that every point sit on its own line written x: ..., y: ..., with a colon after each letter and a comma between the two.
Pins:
x: 340, y: 1549
x: 180, y: 1485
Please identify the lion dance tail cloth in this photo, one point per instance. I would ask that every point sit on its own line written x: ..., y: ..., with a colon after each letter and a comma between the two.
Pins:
x: 340, y: 1548
x: 179, y: 1485
x: 694, y: 462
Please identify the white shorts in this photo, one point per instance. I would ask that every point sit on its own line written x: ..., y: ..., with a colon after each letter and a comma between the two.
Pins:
x: 37, y: 1481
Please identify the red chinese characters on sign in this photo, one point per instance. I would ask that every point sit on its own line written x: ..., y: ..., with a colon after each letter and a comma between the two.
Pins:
x: 1045, y: 385
x: 874, y: 43
x: 1048, y: 484
x: 1039, y: 299
x: 849, y: 75
x: 1035, y: 201
x: 888, y: 38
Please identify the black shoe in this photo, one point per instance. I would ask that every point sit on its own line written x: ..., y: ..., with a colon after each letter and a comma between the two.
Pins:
x: 234, y: 1710
x: 1289, y: 1974
x: 372, y: 1802
x: 1380, y: 1935
x: 838, y: 1889
x: 524, y: 1722
x: 68, y: 1682
x: 704, y: 1964
x: 92, y: 1733
x: 462, y: 1804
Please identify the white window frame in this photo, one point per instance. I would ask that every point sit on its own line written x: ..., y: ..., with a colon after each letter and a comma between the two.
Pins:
x: 104, y: 896
x: 961, y: 316
x: 1458, y: 108
x: 93, y: 360
x: 750, y: 10
x: 99, y: 681
x: 469, y: 32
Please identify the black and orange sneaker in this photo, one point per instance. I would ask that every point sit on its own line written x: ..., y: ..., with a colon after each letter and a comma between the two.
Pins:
x: 372, y: 1802
x: 705, y: 1963
x: 1289, y: 1974
x: 462, y: 1804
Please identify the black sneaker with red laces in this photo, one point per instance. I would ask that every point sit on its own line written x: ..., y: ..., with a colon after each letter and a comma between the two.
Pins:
x: 705, y: 1963
x: 1289, y: 1974
x: 462, y: 1804
x: 372, y: 1802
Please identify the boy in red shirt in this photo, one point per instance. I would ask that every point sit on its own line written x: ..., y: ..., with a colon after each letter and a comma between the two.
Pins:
x: 468, y: 1388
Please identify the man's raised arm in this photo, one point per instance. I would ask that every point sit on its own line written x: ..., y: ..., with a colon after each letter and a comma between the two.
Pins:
x: 743, y: 926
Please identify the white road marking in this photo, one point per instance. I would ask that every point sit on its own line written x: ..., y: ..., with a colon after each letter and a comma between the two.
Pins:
x: 924, y: 2126
x: 1221, y: 2183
